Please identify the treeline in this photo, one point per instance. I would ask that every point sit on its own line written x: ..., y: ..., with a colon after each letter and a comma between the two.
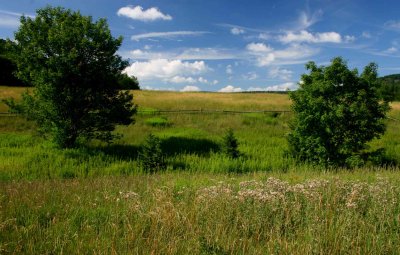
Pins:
x: 8, y: 69
x: 390, y: 87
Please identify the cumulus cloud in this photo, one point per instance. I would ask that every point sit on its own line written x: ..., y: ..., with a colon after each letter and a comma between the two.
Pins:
x: 305, y: 36
x: 237, y: 31
x: 181, y: 79
x: 279, y: 87
x: 250, y: 76
x: 138, y: 13
x: 280, y: 73
x: 258, y: 47
x: 165, y: 69
x: 190, y: 88
x: 171, y: 34
x: 230, y: 88
x: 294, y: 54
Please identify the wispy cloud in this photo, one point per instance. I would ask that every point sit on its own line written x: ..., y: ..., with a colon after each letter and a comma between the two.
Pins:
x: 184, y: 54
x: 237, y: 31
x: 305, y: 36
x: 170, y: 34
x: 306, y: 20
x: 138, y: 13
x: 392, y: 25
x: 11, y: 19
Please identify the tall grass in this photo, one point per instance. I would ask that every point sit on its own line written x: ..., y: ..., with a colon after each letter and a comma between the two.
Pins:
x: 203, y: 214
x: 97, y: 199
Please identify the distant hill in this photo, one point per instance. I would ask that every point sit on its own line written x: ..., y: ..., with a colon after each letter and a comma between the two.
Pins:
x: 391, y: 87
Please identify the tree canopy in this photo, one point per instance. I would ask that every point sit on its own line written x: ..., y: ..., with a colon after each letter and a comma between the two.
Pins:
x: 337, y: 111
x: 72, y: 63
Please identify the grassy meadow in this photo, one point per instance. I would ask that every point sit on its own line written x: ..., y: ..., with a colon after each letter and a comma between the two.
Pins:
x: 97, y: 199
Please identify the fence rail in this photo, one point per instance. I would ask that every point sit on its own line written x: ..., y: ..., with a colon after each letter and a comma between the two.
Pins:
x: 201, y: 111
x: 197, y: 111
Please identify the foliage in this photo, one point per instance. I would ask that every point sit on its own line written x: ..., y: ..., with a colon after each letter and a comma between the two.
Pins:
x: 390, y: 87
x: 337, y: 112
x: 72, y: 63
x: 8, y: 66
x: 230, y: 144
x: 151, y: 157
x: 128, y: 82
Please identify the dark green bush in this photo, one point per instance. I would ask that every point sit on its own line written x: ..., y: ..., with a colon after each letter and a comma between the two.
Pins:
x: 230, y: 144
x: 151, y: 156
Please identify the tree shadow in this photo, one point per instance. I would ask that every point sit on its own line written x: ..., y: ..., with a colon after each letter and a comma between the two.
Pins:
x: 182, y: 145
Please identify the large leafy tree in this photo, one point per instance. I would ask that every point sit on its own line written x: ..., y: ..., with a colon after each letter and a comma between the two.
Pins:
x: 72, y: 63
x: 337, y: 111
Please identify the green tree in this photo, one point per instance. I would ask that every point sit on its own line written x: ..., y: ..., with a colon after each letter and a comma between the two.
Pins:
x: 337, y: 111
x: 151, y: 156
x: 73, y: 65
x: 8, y: 67
x: 128, y: 82
x: 230, y: 144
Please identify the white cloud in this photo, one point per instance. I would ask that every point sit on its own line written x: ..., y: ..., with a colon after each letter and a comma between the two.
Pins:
x: 230, y: 88
x: 181, y: 79
x: 294, y: 54
x: 215, y: 82
x: 280, y: 73
x: 349, y: 38
x: 392, y: 24
x: 183, y: 54
x: 280, y: 87
x: 305, y: 36
x: 228, y: 69
x: 190, y: 88
x: 165, y: 69
x: 153, y: 88
x: 258, y: 47
x: 366, y: 34
x: 305, y: 20
x: 250, y: 76
x: 237, y: 31
x: 11, y: 19
x: 206, y: 53
x: 171, y: 34
x: 391, y: 50
x: 264, y: 36
x: 137, y: 13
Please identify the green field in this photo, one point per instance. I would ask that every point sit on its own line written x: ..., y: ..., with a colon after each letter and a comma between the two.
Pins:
x: 97, y: 199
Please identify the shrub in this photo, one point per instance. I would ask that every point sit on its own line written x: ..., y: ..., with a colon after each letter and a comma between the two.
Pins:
x: 151, y: 157
x: 230, y: 144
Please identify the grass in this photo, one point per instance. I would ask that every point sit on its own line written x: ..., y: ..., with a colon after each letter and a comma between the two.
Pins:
x: 97, y: 199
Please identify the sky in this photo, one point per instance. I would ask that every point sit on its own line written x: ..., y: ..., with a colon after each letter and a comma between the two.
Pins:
x: 232, y: 45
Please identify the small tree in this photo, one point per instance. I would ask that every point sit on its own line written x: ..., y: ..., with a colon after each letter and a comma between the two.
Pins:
x: 151, y: 157
x: 72, y: 63
x: 336, y: 112
x: 230, y: 144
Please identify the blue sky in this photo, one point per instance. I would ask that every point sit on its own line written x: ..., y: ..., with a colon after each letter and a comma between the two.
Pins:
x: 232, y: 45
